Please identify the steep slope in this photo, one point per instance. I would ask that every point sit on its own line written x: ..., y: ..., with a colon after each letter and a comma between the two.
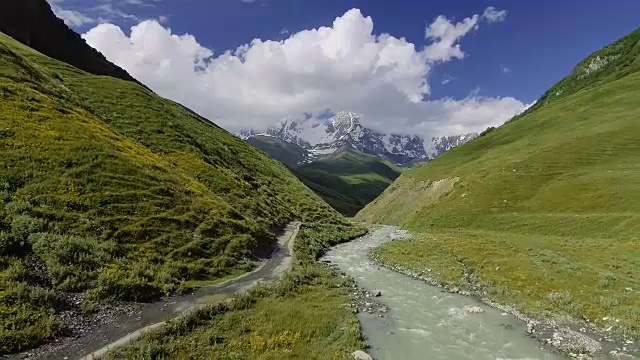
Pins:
x: 347, y: 179
x: 33, y: 23
x: 287, y: 153
x: 109, y: 190
x: 543, y: 212
x: 322, y: 137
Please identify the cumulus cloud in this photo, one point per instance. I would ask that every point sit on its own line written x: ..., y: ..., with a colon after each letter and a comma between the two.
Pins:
x: 493, y: 15
x: 445, y: 35
x: 344, y: 67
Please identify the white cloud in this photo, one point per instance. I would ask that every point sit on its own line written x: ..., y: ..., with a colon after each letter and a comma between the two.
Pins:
x: 444, y: 35
x: 342, y: 67
x: 110, y: 11
x: 70, y: 17
x: 493, y: 15
x: 447, y: 79
x: 505, y: 70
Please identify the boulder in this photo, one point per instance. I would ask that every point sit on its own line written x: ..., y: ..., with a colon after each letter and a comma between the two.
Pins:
x: 361, y: 355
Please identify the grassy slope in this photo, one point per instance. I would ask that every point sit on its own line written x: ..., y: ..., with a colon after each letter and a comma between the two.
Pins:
x: 287, y: 153
x: 543, y: 212
x: 109, y: 189
x: 348, y: 179
x: 304, y: 316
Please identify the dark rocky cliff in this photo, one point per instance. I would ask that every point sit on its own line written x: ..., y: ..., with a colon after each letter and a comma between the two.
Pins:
x: 33, y: 23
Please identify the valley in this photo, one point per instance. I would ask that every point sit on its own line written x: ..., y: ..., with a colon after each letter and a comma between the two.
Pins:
x: 541, y: 213
x: 96, y: 207
x: 345, y: 163
x: 132, y: 227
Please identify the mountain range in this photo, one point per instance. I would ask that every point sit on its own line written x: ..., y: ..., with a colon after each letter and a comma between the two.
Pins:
x: 319, y: 137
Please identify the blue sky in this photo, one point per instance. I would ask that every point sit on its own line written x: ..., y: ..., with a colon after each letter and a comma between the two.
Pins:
x: 534, y: 46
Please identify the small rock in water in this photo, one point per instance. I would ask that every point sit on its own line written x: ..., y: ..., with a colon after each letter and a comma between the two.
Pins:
x: 507, y: 326
x: 378, y: 293
x: 361, y: 355
x: 530, y: 328
x: 474, y: 309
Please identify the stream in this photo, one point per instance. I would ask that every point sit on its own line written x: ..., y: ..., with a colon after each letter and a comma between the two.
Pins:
x: 424, y: 322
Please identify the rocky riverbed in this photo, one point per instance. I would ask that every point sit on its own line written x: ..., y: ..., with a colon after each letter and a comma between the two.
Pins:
x: 78, y: 319
x: 418, y: 321
x: 578, y: 339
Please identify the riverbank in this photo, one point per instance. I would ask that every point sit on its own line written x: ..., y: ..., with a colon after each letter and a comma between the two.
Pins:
x: 424, y: 321
x: 109, y: 324
x: 307, y: 314
x: 574, y: 338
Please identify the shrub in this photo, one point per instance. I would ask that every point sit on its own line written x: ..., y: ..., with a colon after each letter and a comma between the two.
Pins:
x: 24, y: 225
x: 71, y: 261
x: 17, y: 207
x: 9, y: 244
x: 130, y: 282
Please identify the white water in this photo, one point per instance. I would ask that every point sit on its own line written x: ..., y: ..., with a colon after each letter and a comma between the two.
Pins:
x: 424, y: 322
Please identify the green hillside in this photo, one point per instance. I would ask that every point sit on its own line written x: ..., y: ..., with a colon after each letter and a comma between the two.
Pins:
x: 348, y: 179
x: 287, y: 153
x: 544, y: 211
x: 108, y: 189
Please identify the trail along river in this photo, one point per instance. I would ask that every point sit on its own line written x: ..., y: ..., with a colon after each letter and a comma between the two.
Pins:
x: 424, y: 322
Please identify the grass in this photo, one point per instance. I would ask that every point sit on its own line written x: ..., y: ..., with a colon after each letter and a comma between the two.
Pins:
x: 305, y: 315
x: 542, y: 212
x: 108, y: 189
x: 287, y: 153
x: 348, y: 179
x: 215, y: 298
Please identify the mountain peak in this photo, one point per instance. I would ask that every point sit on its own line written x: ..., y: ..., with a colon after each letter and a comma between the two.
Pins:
x: 321, y: 138
x: 345, y: 118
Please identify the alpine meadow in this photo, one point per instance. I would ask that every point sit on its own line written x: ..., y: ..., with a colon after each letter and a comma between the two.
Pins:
x: 232, y: 181
x: 107, y: 189
x: 542, y: 212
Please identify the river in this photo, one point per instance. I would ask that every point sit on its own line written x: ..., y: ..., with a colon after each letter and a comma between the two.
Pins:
x: 424, y: 322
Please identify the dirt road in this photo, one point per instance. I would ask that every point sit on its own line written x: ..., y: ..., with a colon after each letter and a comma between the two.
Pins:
x: 95, y: 344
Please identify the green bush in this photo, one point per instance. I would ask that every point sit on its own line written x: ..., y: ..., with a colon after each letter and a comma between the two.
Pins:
x: 22, y: 226
x: 71, y: 261
x: 129, y: 281
x: 9, y: 244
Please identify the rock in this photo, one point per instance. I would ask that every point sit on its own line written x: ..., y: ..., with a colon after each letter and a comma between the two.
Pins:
x: 361, y: 355
x: 33, y: 23
x: 530, y: 328
x: 378, y: 294
x: 474, y: 309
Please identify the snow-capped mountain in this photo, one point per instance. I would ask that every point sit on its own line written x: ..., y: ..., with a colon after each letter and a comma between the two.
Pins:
x: 322, y: 137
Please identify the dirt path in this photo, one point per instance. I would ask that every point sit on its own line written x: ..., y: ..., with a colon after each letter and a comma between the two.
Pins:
x: 128, y: 328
